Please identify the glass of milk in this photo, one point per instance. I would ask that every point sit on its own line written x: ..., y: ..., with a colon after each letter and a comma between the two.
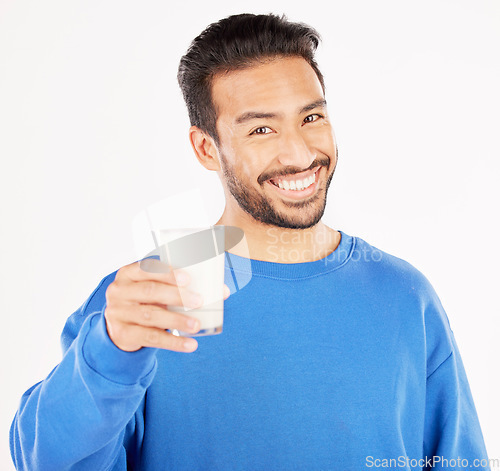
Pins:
x: 200, y: 252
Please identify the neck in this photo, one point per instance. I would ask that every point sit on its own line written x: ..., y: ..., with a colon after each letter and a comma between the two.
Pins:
x: 281, y: 245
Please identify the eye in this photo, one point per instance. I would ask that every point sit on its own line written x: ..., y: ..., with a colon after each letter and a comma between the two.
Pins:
x: 261, y: 130
x: 312, y: 117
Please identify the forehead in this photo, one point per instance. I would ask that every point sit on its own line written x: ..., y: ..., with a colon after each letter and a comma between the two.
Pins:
x: 280, y: 84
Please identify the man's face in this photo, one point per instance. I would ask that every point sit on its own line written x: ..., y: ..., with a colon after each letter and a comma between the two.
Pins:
x: 274, y: 130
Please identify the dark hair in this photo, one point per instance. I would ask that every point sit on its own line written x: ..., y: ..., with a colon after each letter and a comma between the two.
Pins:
x: 237, y: 42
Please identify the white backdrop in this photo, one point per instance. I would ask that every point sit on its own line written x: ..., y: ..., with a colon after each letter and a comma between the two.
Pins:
x: 93, y: 129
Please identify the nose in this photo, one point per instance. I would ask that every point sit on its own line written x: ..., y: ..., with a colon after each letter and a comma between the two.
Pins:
x: 294, y: 150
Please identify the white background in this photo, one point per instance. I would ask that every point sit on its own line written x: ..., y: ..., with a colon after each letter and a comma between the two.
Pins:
x: 93, y: 129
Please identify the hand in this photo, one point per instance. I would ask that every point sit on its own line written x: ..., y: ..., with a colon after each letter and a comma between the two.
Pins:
x: 137, y: 312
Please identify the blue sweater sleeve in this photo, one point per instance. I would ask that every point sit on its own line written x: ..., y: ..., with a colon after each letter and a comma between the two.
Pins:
x: 453, y: 437
x: 452, y: 434
x: 87, y: 414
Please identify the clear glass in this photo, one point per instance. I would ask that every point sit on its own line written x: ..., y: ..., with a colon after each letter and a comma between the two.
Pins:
x: 199, y: 252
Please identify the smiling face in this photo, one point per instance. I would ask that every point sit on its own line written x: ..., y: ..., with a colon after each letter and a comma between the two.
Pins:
x: 275, y: 138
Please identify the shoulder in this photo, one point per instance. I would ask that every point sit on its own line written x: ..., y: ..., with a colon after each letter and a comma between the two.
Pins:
x: 395, y: 277
x: 390, y: 276
x: 389, y: 269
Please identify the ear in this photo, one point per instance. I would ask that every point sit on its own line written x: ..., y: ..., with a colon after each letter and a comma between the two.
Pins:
x: 204, y: 148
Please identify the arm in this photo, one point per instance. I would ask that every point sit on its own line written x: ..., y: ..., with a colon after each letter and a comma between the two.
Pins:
x: 87, y: 413
x: 452, y: 430
x: 81, y: 415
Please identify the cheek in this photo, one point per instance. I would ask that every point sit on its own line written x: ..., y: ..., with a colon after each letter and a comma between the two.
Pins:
x: 251, y: 158
x: 248, y: 169
x: 323, y: 139
x: 239, y: 164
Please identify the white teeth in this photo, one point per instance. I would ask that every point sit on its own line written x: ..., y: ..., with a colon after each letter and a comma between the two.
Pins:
x: 298, y: 184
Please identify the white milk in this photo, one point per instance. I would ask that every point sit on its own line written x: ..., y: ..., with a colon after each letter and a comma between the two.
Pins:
x: 207, y: 276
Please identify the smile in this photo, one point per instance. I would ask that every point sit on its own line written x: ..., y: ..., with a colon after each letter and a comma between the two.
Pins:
x: 294, y: 187
x: 294, y: 184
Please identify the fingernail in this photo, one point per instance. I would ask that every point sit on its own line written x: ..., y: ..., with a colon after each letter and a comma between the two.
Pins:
x: 192, y: 324
x: 190, y: 344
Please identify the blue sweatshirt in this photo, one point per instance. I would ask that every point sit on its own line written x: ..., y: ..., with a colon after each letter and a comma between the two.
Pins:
x: 343, y: 363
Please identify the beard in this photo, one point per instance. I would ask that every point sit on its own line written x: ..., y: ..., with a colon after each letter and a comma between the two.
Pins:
x: 301, y: 214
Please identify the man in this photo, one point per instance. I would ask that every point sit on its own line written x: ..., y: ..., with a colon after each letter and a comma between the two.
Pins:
x: 334, y: 356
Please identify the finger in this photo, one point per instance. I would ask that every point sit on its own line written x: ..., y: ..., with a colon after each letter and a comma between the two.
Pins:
x: 154, y: 292
x: 149, y: 315
x: 227, y: 292
x: 152, y: 269
x: 132, y: 337
x: 158, y: 338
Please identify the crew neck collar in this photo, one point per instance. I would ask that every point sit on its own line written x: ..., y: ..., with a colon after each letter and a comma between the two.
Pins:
x: 332, y: 261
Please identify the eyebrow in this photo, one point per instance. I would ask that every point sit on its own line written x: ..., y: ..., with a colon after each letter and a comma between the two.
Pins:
x: 249, y: 115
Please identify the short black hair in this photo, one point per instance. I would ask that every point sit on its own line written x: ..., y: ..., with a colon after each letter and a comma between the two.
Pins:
x: 233, y: 43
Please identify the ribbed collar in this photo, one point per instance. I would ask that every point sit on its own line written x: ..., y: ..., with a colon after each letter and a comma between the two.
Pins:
x: 293, y: 271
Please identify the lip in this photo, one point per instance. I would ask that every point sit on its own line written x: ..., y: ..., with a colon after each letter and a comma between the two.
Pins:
x: 298, y: 194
